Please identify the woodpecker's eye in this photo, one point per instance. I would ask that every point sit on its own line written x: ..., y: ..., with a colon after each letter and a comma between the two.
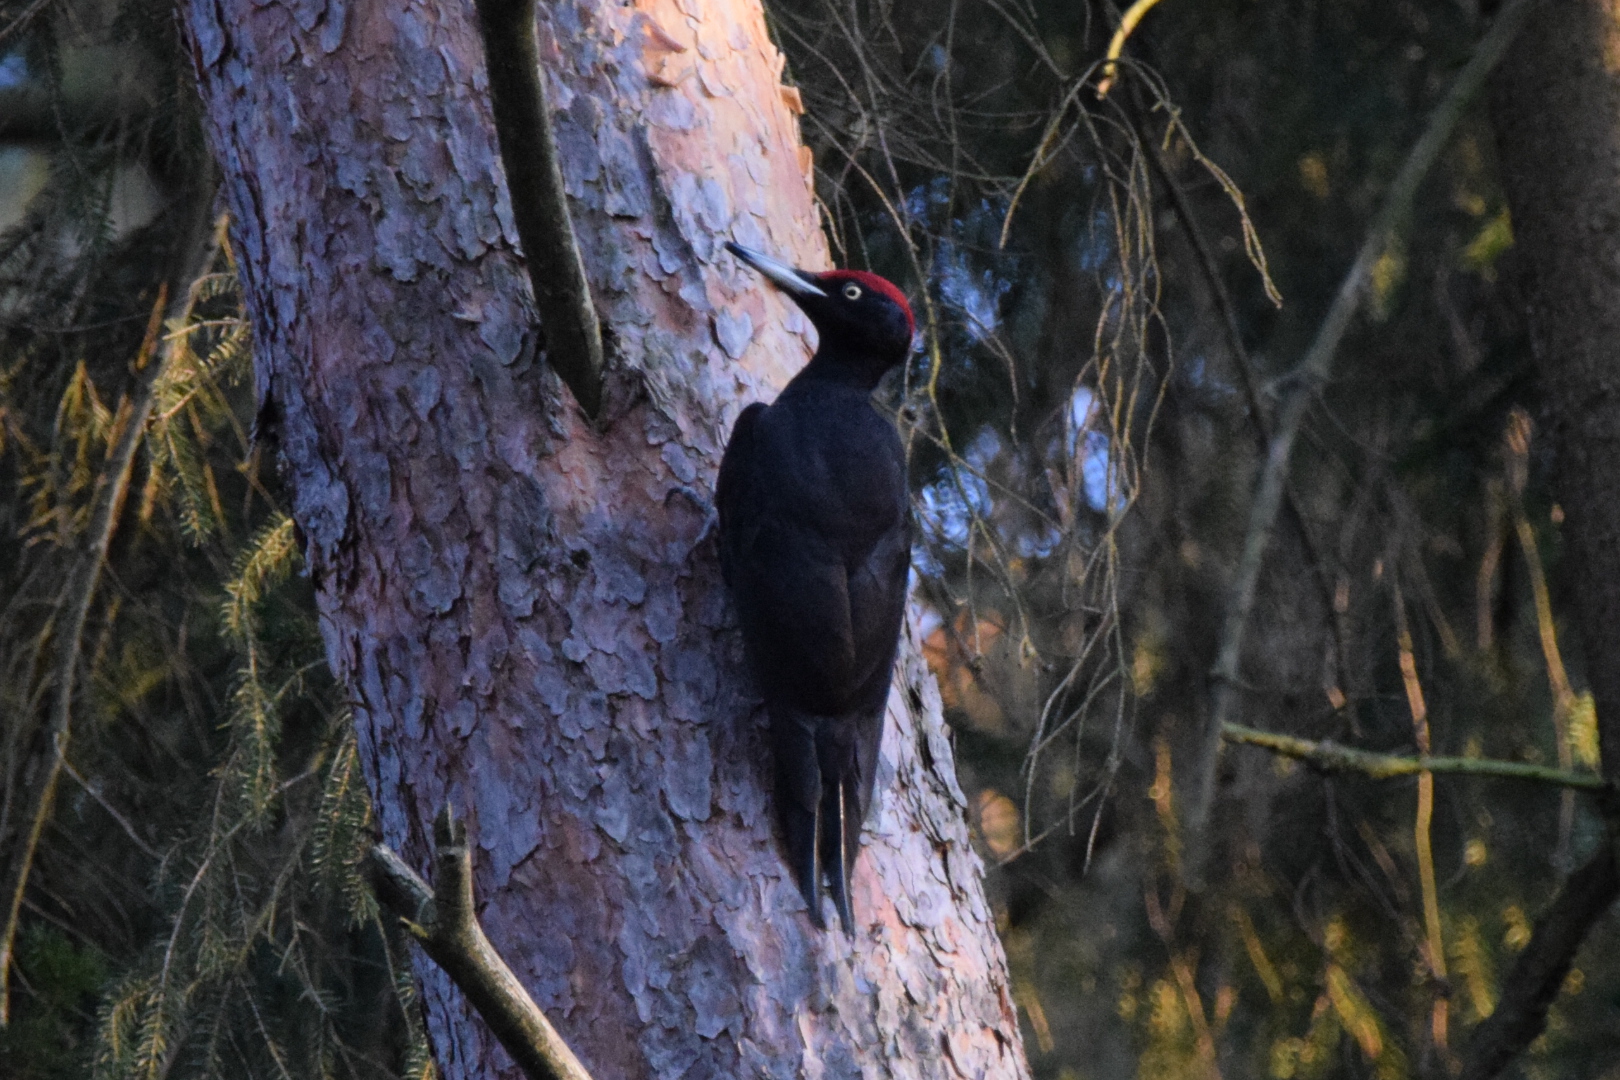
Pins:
x: 852, y: 291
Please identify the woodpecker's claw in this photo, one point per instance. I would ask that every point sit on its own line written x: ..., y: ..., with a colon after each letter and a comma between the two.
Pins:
x: 784, y: 276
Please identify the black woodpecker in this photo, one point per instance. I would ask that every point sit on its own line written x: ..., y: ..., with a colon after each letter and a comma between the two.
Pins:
x: 815, y: 545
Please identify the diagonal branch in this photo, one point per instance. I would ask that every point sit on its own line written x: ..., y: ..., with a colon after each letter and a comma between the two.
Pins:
x: 444, y: 923
x: 1302, y: 385
x: 20, y: 23
x: 517, y: 93
x: 1537, y: 975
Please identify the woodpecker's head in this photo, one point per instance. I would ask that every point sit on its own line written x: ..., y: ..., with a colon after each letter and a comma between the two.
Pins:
x: 859, y: 316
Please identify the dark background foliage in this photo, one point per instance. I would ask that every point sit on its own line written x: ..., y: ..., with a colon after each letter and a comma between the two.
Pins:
x: 1103, y: 337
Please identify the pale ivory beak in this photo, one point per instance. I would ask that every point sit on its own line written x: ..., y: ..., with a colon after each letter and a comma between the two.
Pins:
x: 791, y: 281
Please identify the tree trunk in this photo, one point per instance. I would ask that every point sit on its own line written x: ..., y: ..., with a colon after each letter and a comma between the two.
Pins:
x: 526, y: 607
x: 1556, y: 110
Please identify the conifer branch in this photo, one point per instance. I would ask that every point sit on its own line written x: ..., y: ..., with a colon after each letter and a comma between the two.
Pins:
x: 79, y: 591
x: 1302, y: 385
x: 445, y: 924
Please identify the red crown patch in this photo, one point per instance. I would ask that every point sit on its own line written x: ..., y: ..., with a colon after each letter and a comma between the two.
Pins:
x: 881, y: 286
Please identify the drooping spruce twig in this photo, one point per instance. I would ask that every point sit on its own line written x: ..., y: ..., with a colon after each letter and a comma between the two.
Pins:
x: 443, y: 921
x: 111, y: 485
x: 1329, y: 756
x: 1302, y: 385
x: 517, y: 92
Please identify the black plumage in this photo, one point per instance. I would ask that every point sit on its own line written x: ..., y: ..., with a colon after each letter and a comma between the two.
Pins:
x: 815, y: 545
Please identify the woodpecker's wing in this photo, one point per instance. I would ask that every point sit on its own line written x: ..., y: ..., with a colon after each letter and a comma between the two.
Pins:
x: 731, y: 499
x: 878, y: 589
x: 760, y: 556
x: 823, y: 640
x: 798, y: 798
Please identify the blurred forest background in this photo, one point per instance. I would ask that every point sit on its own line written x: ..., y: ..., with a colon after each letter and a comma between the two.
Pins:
x: 1111, y: 292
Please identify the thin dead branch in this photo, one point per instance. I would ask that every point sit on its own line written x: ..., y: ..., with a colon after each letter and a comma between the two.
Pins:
x: 76, y: 597
x: 1116, y: 45
x: 1327, y: 756
x: 1563, y: 694
x: 112, y: 484
x: 1423, y: 826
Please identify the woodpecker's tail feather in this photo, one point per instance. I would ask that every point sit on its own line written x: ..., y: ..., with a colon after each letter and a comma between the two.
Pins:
x: 822, y: 790
x: 799, y: 830
x: 838, y: 847
x: 798, y: 800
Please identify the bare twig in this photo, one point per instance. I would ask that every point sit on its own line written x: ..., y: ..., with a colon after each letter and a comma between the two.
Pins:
x: 517, y: 92
x: 1423, y: 825
x: 443, y: 921
x: 1116, y: 45
x: 1518, y: 475
x: 1302, y: 385
x: 94, y: 791
x: 21, y: 22
x: 1329, y: 756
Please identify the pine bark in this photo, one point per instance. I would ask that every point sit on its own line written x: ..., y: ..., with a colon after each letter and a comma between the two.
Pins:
x: 525, y: 606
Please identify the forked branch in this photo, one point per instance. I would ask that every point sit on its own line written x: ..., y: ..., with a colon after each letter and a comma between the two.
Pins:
x: 443, y: 921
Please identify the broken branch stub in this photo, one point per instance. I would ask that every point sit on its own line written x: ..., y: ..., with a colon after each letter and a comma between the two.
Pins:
x: 443, y: 921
